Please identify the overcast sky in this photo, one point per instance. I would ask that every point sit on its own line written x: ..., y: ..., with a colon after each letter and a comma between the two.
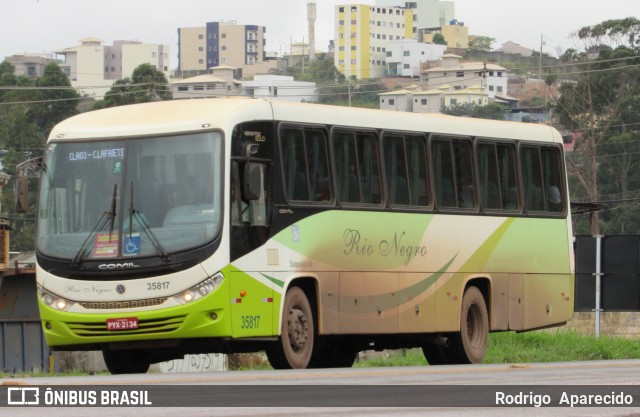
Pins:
x: 43, y: 26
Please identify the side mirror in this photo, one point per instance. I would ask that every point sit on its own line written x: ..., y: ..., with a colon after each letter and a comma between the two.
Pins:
x: 255, y: 183
x: 253, y: 180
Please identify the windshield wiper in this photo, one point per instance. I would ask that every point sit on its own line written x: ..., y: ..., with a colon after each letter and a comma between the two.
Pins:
x: 107, y: 217
x: 142, y: 221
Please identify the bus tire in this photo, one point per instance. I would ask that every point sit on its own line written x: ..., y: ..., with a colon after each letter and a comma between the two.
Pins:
x: 294, y: 347
x: 470, y: 345
x: 126, y: 361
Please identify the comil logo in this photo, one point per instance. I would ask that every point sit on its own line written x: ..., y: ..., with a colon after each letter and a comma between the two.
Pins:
x: 23, y: 396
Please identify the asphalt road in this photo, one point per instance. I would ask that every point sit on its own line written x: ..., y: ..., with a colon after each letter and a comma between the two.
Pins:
x: 401, y: 391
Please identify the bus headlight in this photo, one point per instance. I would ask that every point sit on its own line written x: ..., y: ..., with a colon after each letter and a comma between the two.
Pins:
x: 55, y: 301
x: 200, y: 290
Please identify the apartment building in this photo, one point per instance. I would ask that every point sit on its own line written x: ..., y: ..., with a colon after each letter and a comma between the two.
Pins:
x: 92, y: 67
x: 222, y: 44
x: 30, y: 65
x: 361, y: 35
x: 427, y: 14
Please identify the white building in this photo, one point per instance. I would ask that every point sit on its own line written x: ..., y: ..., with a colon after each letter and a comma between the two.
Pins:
x: 405, y: 56
x: 220, y: 82
x: 280, y: 87
x: 399, y: 100
x: 92, y: 68
x: 490, y: 78
x: 432, y: 101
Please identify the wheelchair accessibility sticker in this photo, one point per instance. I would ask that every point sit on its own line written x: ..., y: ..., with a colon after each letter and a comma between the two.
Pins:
x: 131, y: 244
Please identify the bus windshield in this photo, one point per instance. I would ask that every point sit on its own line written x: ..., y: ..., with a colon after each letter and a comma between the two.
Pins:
x: 130, y: 198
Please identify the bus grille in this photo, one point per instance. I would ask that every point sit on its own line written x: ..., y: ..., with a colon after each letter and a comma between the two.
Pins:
x: 112, y: 305
x: 151, y: 326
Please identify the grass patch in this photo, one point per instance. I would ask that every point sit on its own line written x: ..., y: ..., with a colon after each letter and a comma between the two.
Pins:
x: 530, y: 347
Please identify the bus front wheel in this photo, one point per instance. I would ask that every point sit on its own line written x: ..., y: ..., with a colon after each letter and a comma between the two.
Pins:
x: 470, y: 345
x: 296, y: 342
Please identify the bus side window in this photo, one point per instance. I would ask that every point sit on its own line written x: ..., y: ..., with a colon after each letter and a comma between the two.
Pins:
x: 552, y: 174
x: 497, y: 176
x: 305, y: 164
x: 405, y: 163
x: 357, y: 166
x: 532, y: 178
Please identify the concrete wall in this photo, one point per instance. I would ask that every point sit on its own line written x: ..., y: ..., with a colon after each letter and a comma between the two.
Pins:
x: 612, y: 324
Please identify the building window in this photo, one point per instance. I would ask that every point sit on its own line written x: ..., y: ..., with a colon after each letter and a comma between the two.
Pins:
x: 499, y: 73
x: 460, y: 74
x: 223, y: 35
x: 491, y: 88
x: 423, y: 101
x: 200, y: 48
x: 407, y: 66
x: 198, y: 87
x: 499, y: 89
x: 183, y: 88
x: 200, y: 36
x: 392, y: 102
x: 406, y: 53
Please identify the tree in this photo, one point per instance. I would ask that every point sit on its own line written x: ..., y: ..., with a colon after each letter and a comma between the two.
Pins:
x: 146, y: 84
x: 438, y: 39
x: 601, y: 107
x: 28, y: 111
x: 481, y: 43
x: 492, y: 111
x: 58, y: 103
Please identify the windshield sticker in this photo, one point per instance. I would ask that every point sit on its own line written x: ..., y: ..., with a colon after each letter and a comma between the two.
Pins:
x: 131, y: 245
x: 106, y: 244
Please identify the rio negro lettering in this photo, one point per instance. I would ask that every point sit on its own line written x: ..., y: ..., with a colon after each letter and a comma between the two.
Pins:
x: 357, y: 245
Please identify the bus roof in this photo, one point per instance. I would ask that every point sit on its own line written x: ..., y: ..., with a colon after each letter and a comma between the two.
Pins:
x: 180, y: 116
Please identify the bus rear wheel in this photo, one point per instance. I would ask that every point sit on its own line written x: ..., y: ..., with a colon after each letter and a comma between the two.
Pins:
x: 295, y: 345
x: 470, y: 345
x: 126, y: 361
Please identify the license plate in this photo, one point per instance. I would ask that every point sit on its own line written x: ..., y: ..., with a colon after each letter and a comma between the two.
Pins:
x: 122, y: 324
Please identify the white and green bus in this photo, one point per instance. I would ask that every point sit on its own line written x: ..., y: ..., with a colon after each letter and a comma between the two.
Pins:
x: 310, y: 232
